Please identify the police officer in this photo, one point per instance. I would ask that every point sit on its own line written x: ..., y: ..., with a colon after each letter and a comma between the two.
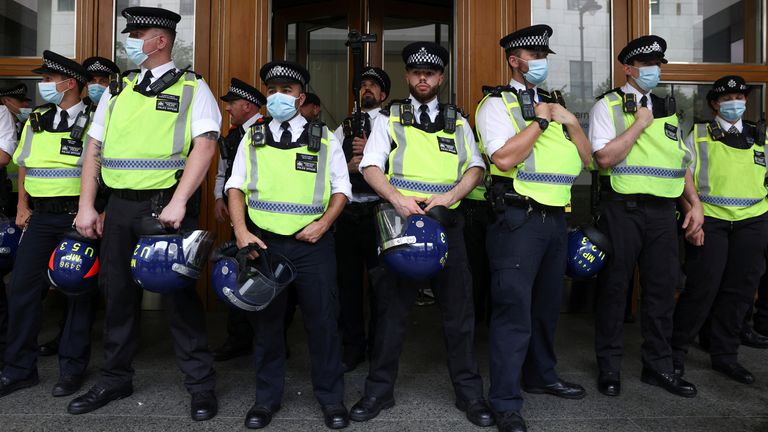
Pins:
x: 312, y: 108
x: 356, y: 248
x: 538, y: 149
x: 49, y: 158
x: 243, y: 103
x: 724, y: 260
x: 293, y: 177
x: 424, y: 153
x: 99, y: 70
x: 155, y: 133
x: 643, y: 169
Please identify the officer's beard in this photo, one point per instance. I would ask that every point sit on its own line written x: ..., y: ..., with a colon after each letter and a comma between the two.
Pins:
x: 369, y: 101
x: 424, y: 97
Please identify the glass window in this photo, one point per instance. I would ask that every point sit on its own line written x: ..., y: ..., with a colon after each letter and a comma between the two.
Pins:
x: 327, y: 66
x: 399, y: 32
x: 711, y: 31
x: 28, y: 27
x: 183, y: 48
x: 655, y: 7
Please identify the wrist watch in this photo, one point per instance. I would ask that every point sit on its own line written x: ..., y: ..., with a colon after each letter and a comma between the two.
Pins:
x: 543, y: 123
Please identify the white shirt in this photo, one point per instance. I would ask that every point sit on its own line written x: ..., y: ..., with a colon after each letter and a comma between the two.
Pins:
x: 724, y: 124
x: 338, y: 163
x: 374, y: 114
x: 8, y: 139
x: 205, y: 111
x: 72, y: 113
x: 380, y: 142
x: 221, y: 172
x: 601, y: 130
x: 493, y: 122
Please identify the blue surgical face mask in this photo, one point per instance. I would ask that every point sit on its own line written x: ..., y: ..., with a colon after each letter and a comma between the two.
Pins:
x: 649, y: 77
x: 23, y: 114
x: 49, y: 93
x: 95, y: 91
x: 281, y: 106
x: 134, y: 50
x: 732, y: 110
x: 537, y: 71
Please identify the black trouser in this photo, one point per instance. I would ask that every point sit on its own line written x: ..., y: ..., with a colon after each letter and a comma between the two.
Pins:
x: 316, y: 290
x: 453, y: 291
x: 9, y: 210
x: 28, y: 285
x: 758, y: 313
x: 527, y: 250
x: 476, y: 220
x: 642, y: 231
x: 184, y: 308
x: 239, y: 331
x: 722, y: 276
x: 356, y: 252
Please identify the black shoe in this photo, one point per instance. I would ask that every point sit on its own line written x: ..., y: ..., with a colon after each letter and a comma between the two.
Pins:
x: 561, y: 389
x: 229, y: 350
x: 259, y: 417
x: 67, y: 385
x: 752, y: 339
x: 669, y: 382
x: 678, y: 368
x: 510, y: 421
x: 49, y: 348
x: 336, y: 416
x: 204, y: 405
x: 97, y: 397
x: 369, y: 407
x: 478, y: 412
x: 8, y: 386
x: 351, y: 358
x: 609, y: 383
x: 735, y: 372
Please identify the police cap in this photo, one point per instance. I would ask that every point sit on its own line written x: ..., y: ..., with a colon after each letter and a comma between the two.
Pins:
x: 534, y: 38
x: 240, y: 90
x: 284, y: 71
x: 644, y: 48
x: 425, y: 55
x: 57, y: 64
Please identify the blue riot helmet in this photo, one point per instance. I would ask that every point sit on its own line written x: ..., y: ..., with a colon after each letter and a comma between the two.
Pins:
x: 224, y: 276
x: 588, y: 250
x: 74, y: 264
x: 10, y: 235
x: 257, y: 282
x: 415, y: 247
x: 163, y: 261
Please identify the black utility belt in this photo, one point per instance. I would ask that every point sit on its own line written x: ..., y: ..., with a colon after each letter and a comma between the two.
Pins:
x: 140, y: 195
x: 607, y: 193
x: 56, y: 205
x: 524, y: 202
x: 503, y: 189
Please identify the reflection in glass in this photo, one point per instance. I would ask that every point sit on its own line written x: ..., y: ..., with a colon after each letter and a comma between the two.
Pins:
x: 183, y: 48
x: 719, y: 31
x: 28, y: 27
x: 327, y: 64
x: 399, y: 32
x: 31, y: 88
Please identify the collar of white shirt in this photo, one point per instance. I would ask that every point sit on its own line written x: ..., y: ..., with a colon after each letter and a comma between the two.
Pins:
x: 517, y: 85
x: 627, y: 88
x: 726, y: 125
x: 251, y: 121
x: 158, y: 71
x: 374, y: 113
x: 431, y: 104
x: 297, y: 126
x: 72, y: 111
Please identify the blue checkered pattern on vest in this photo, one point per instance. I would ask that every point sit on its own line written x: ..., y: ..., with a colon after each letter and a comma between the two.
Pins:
x: 420, y: 186
x: 53, y: 172
x: 561, y: 179
x: 729, y: 201
x: 648, y: 171
x: 144, y: 164
x: 287, y: 208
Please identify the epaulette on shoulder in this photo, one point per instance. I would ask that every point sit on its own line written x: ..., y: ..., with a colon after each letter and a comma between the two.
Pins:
x: 749, y: 123
x: 44, y: 107
x: 542, y: 92
x: 388, y: 108
x: 317, y: 122
x: 263, y: 120
x: 459, y: 110
x: 197, y: 75
x: 125, y: 73
x: 496, y: 91
x: 614, y: 90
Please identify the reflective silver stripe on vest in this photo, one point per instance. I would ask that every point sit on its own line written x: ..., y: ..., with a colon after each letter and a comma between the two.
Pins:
x: 702, y: 135
x: 461, y: 150
x: 729, y: 201
x: 26, y: 146
x: 53, y: 172
x: 285, y: 208
x: 617, y: 111
x: 144, y: 164
x: 648, y: 171
x: 517, y: 113
x: 397, y: 159
x: 558, y: 179
x: 400, y: 183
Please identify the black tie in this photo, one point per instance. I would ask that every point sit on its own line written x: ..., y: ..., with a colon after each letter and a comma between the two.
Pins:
x: 145, y: 81
x: 63, y: 124
x: 240, y: 132
x: 424, y: 116
x: 733, y: 130
x: 285, y: 138
x: 644, y: 101
x: 367, y: 123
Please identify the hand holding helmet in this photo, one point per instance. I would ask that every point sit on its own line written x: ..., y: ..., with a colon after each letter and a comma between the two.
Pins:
x: 74, y: 264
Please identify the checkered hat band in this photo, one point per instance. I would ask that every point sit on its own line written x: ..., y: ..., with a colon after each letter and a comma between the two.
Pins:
x: 98, y: 67
x: 64, y: 70
x: 647, y: 49
x: 372, y: 74
x: 723, y: 89
x: 147, y: 21
x: 244, y: 95
x: 17, y: 91
x: 541, y: 40
x: 284, y: 72
x: 423, y: 57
